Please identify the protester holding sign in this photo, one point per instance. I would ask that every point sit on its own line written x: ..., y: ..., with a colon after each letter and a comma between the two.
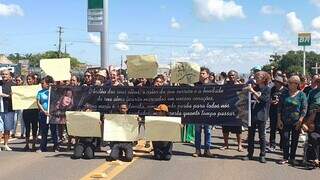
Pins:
x: 293, y: 108
x: 18, y: 113
x: 259, y: 114
x: 203, y: 80
x: 30, y: 118
x: 118, y: 148
x: 43, y: 103
x: 162, y: 149
x: 7, y: 117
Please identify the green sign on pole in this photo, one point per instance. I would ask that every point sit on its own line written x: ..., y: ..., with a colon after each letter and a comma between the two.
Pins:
x: 304, y: 39
x: 95, y: 4
x: 95, y: 15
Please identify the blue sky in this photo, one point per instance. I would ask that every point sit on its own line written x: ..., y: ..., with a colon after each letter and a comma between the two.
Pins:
x: 219, y: 34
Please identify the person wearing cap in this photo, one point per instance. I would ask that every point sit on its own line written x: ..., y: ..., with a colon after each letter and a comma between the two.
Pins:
x: 292, y: 110
x: 162, y: 149
x: 276, y: 92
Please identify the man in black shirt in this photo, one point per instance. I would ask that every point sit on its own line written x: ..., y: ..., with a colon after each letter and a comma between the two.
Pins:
x: 7, y: 116
x: 204, y: 80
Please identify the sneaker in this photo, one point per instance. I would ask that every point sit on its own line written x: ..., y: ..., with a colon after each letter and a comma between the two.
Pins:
x: 262, y: 159
x: 13, y: 136
x: 7, y: 148
x: 197, y: 153
x: 247, y: 158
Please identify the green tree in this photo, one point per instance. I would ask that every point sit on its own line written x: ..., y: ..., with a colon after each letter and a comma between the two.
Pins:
x: 35, y: 58
x: 292, y: 62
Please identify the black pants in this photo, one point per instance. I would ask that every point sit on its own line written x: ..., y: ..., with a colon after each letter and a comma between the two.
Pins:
x: 290, y: 134
x: 118, y: 148
x: 162, y: 149
x: 30, y: 118
x: 273, y: 130
x: 261, y: 126
x: 314, y: 140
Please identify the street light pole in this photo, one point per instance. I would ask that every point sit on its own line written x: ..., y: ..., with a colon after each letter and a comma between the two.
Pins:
x: 104, y: 35
x: 304, y: 60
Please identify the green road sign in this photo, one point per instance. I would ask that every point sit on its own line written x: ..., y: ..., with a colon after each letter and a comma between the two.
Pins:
x: 95, y: 4
x: 304, y: 39
x: 95, y: 15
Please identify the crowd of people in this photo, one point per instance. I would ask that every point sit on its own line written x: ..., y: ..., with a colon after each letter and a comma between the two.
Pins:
x: 291, y: 104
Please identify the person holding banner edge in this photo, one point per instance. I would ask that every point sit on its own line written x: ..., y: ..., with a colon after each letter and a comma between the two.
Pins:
x: 42, y: 102
x: 259, y: 114
x: 232, y: 76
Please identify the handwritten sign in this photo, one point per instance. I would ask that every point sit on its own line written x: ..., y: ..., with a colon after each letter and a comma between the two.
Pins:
x: 120, y: 127
x: 185, y: 73
x: 83, y: 124
x: 24, y: 97
x: 59, y: 69
x: 161, y: 128
x: 144, y: 66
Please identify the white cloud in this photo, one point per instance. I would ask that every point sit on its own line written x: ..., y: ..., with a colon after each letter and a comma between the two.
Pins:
x: 175, y: 24
x: 94, y: 39
x: 267, y: 9
x: 294, y: 22
x: 237, y: 45
x: 197, y: 47
x: 315, y: 35
x: 268, y: 38
x: 122, y: 46
x: 316, y: 23
x: 217, y: 9
x: 316, y: 2
x: 11, y: 10
x: 123, y: 37
x: 219, y: 60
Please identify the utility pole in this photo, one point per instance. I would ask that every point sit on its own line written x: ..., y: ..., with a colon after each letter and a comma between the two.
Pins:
x: 121, y: 64
x: 65, y: 48
x: 104, y: 46
x: 60, y: 40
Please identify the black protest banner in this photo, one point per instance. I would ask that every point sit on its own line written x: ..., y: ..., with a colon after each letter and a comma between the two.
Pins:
x: 222, y: 105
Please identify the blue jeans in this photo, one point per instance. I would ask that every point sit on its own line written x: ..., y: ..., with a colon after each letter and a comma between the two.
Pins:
x: 44, y: 128
x: 207, y: 136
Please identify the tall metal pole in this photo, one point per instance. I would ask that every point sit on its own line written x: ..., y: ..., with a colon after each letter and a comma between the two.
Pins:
x: 104, y: 35
x: 304, y: 60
